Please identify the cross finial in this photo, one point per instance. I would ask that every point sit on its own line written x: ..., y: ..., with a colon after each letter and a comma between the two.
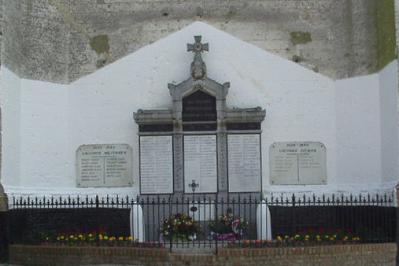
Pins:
x: 197, y: 47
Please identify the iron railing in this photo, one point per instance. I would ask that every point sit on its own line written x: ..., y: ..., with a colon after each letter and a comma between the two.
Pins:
x: 365, y: 218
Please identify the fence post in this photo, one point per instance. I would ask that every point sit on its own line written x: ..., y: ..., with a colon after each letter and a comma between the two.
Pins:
x: 96, y: 212
x: 4, y: 226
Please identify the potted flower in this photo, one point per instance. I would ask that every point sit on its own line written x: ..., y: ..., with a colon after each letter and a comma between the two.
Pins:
x: 228, y: 227
x: 180, y: 227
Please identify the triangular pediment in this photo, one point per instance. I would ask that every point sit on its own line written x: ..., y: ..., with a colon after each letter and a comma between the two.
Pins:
x: 249, y: 69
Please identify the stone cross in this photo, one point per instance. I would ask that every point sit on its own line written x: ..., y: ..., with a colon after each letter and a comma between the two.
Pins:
x: 197, y: 47
x: 198, y: 68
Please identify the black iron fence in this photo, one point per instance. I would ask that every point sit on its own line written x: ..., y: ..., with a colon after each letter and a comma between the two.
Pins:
x: 202, y: 221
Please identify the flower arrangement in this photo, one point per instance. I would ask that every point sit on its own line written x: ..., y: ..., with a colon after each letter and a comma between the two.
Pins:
x: 228, y: 227
x: 180, y: 227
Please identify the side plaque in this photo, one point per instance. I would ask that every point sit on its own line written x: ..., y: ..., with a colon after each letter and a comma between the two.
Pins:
x: 104, y: 165
x: 298, y: 163
x: 156, y: 165
x: 200, y: 163
x: 244, y: 165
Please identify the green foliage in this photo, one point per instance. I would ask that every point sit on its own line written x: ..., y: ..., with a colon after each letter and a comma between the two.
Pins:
x: 100, y: 44
x: 227, y: 223
x: 179, y: 227
x: 300, y: 37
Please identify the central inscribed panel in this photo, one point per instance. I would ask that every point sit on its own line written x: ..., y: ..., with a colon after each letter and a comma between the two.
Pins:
x: 200, y: 163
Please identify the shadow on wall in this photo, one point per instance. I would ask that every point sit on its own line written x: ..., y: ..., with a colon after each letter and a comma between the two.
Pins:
x: 3, y: 237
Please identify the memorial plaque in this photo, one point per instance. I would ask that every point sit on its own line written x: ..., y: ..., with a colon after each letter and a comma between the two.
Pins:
x: 244, y: 164
x: 200, y: 163
x: 104, y: 165
x: 156, y: 165
x: 298, y: 163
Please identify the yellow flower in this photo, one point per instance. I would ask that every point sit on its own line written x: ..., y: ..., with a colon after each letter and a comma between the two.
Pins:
x: 90, y: 235
x: 130, y: 238
x: 286, y: 237
x: 279, y: 238
x: 120, y: 238
x: 62, y: 237
x: 105, y: 237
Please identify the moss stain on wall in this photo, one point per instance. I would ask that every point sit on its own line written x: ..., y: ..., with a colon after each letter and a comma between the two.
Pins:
x: 386, y: 35
x: 100, y: 44
x: 300, y: 37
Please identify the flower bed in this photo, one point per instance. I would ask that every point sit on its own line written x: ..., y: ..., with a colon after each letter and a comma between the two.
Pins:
x: 308, y: 237
x: 95, y: 239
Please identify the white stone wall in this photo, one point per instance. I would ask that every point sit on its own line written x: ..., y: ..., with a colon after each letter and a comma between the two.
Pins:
x: 44, y: 123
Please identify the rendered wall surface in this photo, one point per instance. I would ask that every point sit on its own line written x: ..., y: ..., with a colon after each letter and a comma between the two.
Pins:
x: 352, y: 117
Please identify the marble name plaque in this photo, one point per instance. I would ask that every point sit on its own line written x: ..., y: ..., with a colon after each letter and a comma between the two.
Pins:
x: 200, y: 163
x: 104, y: 165
x: 298, y: 163
x: 156, y: 165
x: 244, y: 164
